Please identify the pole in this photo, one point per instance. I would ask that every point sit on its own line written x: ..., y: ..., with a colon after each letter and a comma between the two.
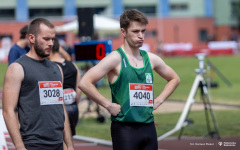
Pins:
x: 198, y: 83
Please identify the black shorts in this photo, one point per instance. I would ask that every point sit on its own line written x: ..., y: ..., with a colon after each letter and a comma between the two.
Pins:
x: 73, y: 114
x: 134, y: 136
x: 44, y: 146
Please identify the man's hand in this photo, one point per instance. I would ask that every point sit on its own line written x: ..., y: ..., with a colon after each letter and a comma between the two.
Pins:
x: 157, y: 103
x: 155, y: 106
x: 114, y: 109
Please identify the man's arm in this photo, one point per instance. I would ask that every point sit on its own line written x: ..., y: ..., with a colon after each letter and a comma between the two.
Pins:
x: 11, y: 88
x: 97, y: 72
x: 168, y: 74
x: 67, y: 136
x: 78, y: 91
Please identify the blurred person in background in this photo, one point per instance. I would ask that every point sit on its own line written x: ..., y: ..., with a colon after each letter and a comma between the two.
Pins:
x: 21, y: 47
x: 71, y: 93
x: 66, y: 48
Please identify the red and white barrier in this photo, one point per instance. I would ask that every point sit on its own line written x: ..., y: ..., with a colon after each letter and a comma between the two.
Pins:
x: 213, y: 48
x: 3, y: 133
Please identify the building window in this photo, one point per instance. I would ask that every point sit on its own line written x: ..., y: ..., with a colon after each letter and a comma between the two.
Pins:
x: 178, y: 7
x: 39, y: 12
x: 203, y: 35
x: 235, y: 9
x: 151, y: 33
x: 96, y: 10
x: 7, y: 13
x: 99, y: 10
x: 150, y: 10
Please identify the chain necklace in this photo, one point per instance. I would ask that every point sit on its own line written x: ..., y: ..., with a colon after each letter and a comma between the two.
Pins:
x: 131, y: 58
x: 134, y: 61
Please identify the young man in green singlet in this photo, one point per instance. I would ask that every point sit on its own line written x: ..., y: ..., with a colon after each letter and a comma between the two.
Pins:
x: 130, y: 76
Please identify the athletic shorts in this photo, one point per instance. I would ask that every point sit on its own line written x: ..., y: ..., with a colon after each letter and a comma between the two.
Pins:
x: 134, y: 136
x: 72, y: 111
x: 44, y: 146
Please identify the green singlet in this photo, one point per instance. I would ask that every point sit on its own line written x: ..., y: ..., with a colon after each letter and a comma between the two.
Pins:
x: 133, y: 90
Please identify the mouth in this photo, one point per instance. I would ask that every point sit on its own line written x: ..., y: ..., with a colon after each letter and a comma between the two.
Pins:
x: 48, y: 49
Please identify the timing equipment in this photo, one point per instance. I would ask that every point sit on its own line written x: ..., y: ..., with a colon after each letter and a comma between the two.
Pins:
x: 199, y: 83
x: 92, y: 50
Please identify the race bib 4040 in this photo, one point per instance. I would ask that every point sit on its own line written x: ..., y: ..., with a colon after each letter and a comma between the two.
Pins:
x: 50, y: 92
x: 141, y: 94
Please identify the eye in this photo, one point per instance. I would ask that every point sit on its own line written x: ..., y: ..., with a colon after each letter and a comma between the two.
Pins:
x: 46, y: 39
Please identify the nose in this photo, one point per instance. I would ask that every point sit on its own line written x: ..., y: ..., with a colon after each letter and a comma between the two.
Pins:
x: 141, y: 35
x: 51, y: 42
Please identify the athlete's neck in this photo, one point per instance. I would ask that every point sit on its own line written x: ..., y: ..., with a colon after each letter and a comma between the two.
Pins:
x: 32, y: 54
x: 133, y: 52
x: 134, y: 57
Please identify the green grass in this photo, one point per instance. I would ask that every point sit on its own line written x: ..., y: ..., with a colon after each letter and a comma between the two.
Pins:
x: 90, y: 127
x: 185, y: 68
x: 227, y: 119
x: 228, y: 126
x: 3, y: 68
x: 223, y: 94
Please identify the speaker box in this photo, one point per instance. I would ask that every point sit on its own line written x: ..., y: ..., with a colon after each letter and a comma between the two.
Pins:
x: 85, y: 22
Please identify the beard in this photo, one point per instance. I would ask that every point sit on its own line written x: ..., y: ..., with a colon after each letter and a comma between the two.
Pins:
x: 39, y: 50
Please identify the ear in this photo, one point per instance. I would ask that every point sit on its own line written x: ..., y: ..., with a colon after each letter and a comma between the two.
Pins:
x: 31, y: 38
x: 123, y: 32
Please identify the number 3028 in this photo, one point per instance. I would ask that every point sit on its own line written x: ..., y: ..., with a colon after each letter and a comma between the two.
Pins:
x: 51, y: 93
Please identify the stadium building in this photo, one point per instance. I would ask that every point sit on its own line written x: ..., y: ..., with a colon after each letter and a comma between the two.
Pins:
x: 173, y: 24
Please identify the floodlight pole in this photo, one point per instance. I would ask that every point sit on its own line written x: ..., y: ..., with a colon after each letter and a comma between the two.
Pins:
x: 183, y: 120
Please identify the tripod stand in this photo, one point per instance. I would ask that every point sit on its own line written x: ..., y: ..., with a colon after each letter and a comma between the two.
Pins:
x: 199, y: 83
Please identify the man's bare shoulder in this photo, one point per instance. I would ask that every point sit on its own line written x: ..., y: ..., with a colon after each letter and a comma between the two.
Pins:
x: 115, y: 55
x: 150, y: 55
x: 153, y: 57
x: 112, y: 58
x: 14, y: 69
x: 155, y: 60
x: 108, y: 63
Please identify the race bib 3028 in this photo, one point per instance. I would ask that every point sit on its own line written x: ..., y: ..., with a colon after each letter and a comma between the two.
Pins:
x: 50, y: 92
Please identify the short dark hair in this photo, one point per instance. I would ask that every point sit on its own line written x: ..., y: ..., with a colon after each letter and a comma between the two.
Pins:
x: 132, y: 15
x: 23, y: 32
x: 55, y: 48
x: 34, y: 27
